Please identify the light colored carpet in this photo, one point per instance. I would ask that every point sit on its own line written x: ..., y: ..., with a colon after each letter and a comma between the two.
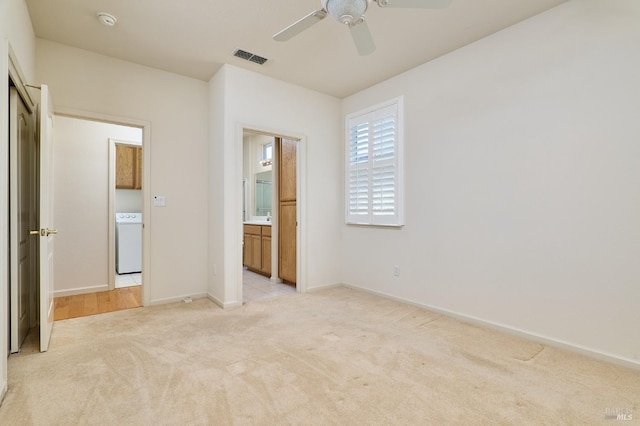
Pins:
x: 337, y: 356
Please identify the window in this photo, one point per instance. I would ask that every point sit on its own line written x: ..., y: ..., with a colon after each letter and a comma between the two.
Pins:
x: 267, y: 155
x: 267, y: 151
x: 374, y: 175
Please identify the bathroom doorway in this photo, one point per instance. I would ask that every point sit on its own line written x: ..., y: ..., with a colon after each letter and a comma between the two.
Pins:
x: 269, y: 237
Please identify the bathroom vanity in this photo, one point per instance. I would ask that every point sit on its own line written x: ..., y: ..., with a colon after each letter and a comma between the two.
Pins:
x: 257, y: 247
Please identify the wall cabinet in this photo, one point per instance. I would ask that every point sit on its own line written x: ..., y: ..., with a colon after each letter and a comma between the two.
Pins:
x: 287, y: 208
x: 257, y: 249
x: 128, y: 167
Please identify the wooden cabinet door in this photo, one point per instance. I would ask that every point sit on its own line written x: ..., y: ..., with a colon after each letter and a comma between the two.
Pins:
x: 138, y: 169
x: 287, y: 207
x: 287, y: 170
x: 128, y: 167
x: 247, y: 249
x: 256, y: 252
x: 287, y: 242
x: 266, y: 255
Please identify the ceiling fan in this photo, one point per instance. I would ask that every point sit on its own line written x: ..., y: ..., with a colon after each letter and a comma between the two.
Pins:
x: 351, y: 13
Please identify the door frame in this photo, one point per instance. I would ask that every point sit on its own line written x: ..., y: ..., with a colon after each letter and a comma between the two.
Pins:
x: 146, y: 189
x: 15, y: 182
x: 301, y: 206
x: 10, y: 67
x: 112, y: 204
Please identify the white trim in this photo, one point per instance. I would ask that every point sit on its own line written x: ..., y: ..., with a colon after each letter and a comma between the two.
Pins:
x: 301, y: 216
x: 146, y: 184
x: 17, y: 76
x: 111, y: 228
x: 4, y: 219
x: 81, y: 290
x: 221, y: 304
x: 324, y: 287
x: 560, y: 344
x: 14, y: 232
x: 177, y: 299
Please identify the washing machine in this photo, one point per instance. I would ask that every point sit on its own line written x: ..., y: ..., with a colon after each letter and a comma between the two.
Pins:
x: 128, y: 243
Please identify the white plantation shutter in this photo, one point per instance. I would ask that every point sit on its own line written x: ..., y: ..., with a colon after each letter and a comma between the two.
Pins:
x: 374, y: 161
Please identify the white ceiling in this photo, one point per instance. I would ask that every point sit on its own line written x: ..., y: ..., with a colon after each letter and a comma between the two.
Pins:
x: 195, y: 37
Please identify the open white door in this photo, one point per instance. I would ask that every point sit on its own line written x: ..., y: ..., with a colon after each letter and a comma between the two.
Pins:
x: 47, y: 230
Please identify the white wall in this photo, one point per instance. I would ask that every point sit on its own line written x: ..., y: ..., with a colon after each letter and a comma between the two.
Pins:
x: 16, y: 34
x: 176, y: 108
x: 242, y: 98
x: 128, y: 200
x: 15, y: 25
x: 217, y: 173
x: 81, y: 210
x: 522, y: 199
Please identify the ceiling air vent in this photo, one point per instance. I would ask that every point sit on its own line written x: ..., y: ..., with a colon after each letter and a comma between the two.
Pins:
x: 243, y: 54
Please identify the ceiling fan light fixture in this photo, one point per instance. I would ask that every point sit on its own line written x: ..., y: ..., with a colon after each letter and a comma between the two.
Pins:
x: 348, y: 12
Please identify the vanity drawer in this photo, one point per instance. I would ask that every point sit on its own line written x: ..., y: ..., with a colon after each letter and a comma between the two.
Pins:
x: 252, y: 229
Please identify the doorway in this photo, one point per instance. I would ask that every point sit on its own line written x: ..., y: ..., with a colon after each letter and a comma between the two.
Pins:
x: 94, y: 177
x: 31, y: 248
x: 269, y: 215
x: 125, y: 169
x: 23, y: 217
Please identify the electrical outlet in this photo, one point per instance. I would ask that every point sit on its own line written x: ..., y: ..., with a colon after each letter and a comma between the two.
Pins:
x: 396, y: 271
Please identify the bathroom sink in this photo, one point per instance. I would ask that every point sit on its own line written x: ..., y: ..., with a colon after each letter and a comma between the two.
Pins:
x: 258, y: 222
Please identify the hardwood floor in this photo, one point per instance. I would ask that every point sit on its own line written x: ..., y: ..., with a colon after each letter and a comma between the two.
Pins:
x: 83, y: 305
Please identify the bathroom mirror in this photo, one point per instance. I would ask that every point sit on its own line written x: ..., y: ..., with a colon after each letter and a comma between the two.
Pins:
x: 264, y: 189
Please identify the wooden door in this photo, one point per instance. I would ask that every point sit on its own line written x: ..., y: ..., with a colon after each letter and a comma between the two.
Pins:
x: 287, y: 209
x: 20, y: 144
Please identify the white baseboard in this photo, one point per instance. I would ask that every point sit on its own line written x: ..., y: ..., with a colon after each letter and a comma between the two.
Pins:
x: 549, y: 341
x: 324, y: 287
x: 229, y: 305
x: 80, y: 290
x: 3, y: 391
x: 177, y: 299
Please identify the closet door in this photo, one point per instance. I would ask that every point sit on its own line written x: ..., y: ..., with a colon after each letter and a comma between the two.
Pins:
x: 287, y: 208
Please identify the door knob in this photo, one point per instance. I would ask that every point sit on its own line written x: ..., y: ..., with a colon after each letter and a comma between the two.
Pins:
x: 43, y: 232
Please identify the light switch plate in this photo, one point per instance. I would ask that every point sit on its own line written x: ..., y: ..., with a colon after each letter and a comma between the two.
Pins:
x: 159, y: 201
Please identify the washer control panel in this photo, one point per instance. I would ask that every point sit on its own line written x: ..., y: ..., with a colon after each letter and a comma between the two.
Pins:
x: 129, y: 217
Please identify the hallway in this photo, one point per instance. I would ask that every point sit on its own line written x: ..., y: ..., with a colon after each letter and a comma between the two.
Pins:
x: 83, y: 305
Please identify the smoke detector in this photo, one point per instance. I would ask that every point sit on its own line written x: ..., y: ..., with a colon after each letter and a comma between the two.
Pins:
x: 107, y: 19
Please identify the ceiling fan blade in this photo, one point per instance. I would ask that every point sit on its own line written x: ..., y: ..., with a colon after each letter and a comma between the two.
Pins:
x: 300, y: 25
x: 415, y: 4
x: 362, y: 38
